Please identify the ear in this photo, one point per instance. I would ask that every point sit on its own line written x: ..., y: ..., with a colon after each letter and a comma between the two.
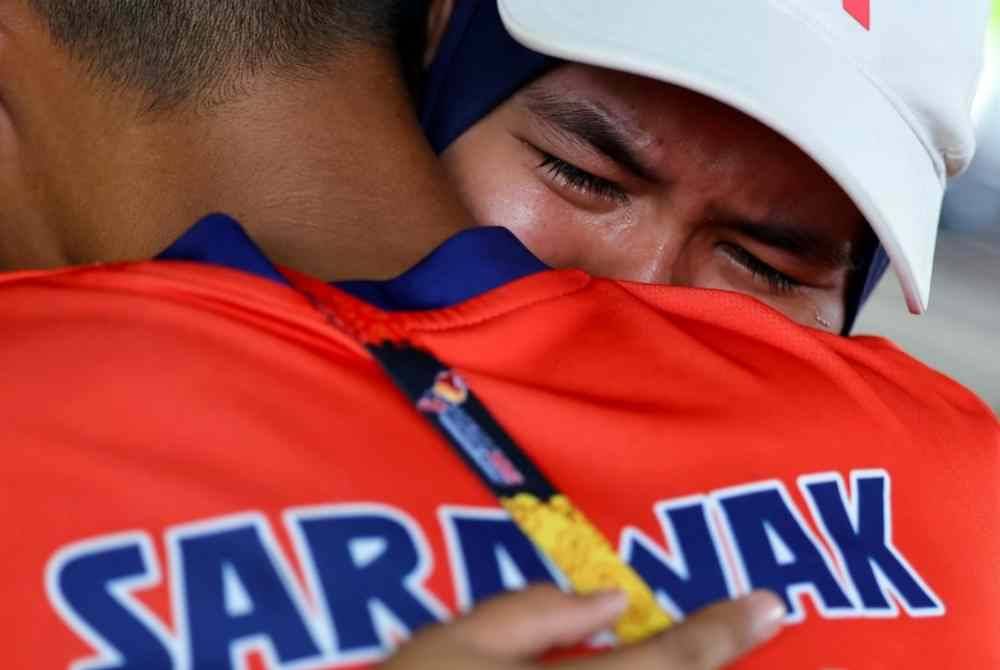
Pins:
x: 438, y: 17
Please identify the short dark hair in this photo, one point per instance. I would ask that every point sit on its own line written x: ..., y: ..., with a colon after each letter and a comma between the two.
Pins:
x: 180, y: 51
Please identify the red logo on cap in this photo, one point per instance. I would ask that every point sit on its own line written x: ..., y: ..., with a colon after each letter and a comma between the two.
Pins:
x: 860, y: 10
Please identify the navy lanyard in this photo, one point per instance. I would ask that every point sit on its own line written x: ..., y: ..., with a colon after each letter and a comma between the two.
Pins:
x: 545, y: 515
x: 442, y: 396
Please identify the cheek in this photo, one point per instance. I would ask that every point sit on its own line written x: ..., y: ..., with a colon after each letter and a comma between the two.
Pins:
x: 701, y: 267
x: 498, y: 185
x: 830, y: 313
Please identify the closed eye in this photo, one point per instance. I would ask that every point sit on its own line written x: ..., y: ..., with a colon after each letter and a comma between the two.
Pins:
x: 777, y: 281
x: 579, y: 179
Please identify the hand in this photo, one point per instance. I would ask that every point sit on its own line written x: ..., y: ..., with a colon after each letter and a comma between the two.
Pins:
x: 511, y: 632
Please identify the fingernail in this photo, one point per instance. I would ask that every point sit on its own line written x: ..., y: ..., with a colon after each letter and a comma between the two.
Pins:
x: 611, y: 602
x: 767, y: 613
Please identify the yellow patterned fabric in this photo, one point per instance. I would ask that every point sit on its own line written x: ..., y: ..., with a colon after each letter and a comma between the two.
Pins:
x: 587, y: 560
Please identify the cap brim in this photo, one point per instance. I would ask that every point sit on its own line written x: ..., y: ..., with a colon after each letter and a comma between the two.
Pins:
x: 773, y: 65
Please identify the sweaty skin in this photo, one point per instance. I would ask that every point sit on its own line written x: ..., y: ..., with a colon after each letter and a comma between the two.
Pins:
x: 87, y: 175
x: 634, y: 179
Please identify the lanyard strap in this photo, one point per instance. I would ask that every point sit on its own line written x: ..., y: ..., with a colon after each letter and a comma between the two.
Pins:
x: 543, y: 514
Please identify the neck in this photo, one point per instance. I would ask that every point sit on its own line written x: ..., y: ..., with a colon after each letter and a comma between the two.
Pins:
x: 330, y: 175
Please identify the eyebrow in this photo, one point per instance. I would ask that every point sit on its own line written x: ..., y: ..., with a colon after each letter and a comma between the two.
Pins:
x: 798, y: 240
x: 589, y: 123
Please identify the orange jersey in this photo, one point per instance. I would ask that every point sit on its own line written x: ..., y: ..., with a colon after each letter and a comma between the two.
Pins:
x: 201, y: 472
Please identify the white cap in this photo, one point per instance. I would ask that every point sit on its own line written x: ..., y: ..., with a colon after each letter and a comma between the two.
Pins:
x: 973, y: 200
x: 878, y: 92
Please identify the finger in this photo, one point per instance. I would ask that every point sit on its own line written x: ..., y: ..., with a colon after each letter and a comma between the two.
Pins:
x: 722, y: 633
x: 529, y: 623
x: 710, y: 639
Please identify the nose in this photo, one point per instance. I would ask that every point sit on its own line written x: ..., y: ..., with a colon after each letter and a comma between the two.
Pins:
x: 668, y: 257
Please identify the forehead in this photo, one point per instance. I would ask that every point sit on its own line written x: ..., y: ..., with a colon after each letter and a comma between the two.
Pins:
x: 705, y: 158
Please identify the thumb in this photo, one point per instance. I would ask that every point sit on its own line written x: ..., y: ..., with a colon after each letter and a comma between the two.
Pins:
x: 530, y: 623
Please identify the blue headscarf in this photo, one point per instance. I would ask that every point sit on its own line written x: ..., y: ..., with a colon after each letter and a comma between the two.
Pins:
x: 479, y: 65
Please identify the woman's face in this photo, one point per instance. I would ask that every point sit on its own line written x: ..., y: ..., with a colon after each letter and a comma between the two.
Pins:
x: 633, y: 179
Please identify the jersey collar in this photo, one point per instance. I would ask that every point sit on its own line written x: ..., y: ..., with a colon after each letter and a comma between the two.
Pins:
x: 467, y: 265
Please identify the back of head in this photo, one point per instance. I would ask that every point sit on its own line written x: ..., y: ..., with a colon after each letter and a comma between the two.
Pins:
x: 180, y: 51
x: 127, y: 121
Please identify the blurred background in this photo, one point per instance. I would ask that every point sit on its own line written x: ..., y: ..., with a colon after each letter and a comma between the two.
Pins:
x: 960, y: 335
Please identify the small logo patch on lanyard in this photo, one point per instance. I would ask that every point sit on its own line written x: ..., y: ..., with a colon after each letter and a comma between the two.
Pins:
x: 444, y: 401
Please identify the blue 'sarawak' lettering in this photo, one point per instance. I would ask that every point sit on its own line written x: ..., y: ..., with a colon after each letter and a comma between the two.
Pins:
x: 89, y: 585
x: 233, y: 591
x: 490, y: 555
x: 368, y: 566
x: 777, y: 550
x: 861, y: 534
x: 693, y: 576
x: 217, y: 629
